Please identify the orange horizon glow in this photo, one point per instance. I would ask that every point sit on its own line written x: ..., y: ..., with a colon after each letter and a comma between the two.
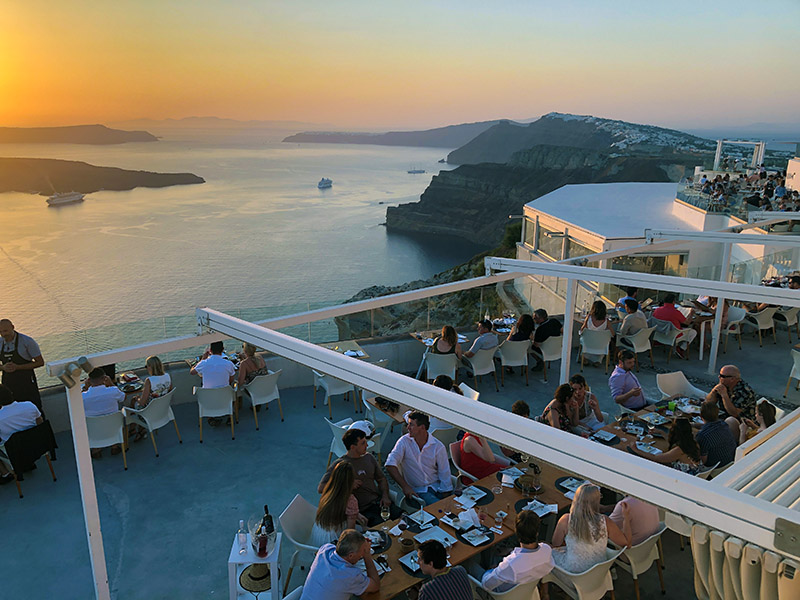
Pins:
x: 418, y: 64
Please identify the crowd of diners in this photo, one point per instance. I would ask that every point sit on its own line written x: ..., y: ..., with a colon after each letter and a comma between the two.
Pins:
x: 759, y: 191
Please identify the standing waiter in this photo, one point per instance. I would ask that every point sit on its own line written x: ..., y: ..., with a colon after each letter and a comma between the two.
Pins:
x: 20, y: 355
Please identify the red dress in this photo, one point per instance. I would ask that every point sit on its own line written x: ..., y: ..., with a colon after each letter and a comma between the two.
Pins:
x: 474, y: 464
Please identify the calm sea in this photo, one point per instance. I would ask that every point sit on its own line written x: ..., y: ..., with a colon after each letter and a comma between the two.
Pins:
x: 258, y: 233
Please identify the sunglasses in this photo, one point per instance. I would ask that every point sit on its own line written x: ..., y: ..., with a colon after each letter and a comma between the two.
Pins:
x: 721, y: 376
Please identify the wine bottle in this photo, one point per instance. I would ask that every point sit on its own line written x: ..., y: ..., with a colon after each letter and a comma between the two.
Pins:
x: 267, y: 523
x: 241, y: 537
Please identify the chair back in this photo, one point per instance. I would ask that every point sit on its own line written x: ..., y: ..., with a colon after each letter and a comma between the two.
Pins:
x: 455, y: 456
x: 514, y: 354
x: 215, y: 402
x: 595, y: 342
x: 718, y: 470
x: 641, y: 339
x: 294, y: 594
x: 706, y: 473
x: 779, y: 412
x: 764, y: 318
x: 670, y: 384
x: 297, y: 521
x: 664, y: 332
x: 337, y: 430
x: 446, y: 436
x: 678, y: 524
x: 158, y: 411
x: 521, y: 591
x: 483, y: 361
x: 263, y: 388
x: 106, y: 430
x: 331, y: 385
x: 440, y: 364
x: 789, y: 315
x: 593, y: 583
x: 551, y: 347
x: 642, y: 555
x: 376, y: 416
x: 25, y: 447
x: 736, y: 315
x: 469, y: 392
x: 795, y: 374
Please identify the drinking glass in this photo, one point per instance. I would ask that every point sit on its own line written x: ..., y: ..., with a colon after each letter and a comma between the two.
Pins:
x: 385, y: 514
x: 524, y: 457
x: 497, y: 489
x: 498, y: 520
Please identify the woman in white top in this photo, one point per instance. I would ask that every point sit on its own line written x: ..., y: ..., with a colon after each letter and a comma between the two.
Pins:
x: 580, y: 538
x: 156, y: 384
x: 589, y: 413
x: 596, y: 320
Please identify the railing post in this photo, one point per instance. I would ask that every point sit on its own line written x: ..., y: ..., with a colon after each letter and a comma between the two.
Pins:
x: 569, y: 318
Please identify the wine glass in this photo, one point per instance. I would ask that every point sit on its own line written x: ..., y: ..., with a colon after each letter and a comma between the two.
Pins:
x: 498, y: 520
x: 385, y: 514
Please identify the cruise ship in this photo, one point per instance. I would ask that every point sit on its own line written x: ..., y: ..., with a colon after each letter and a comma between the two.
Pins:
x: 325, y: 183
x: 65, y: 198
x: 171, y: 507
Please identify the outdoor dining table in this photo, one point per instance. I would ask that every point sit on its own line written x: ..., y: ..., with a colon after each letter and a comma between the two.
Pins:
x: 347, y: 346
x: 397, y: 414
x: 398, y: 579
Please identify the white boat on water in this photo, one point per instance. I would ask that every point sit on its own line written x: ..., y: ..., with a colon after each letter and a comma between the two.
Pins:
x: 325, y: 183
x: 65, y: 198
x: 415, y: 171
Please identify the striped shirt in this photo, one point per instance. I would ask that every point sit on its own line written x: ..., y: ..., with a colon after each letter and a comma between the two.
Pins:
x: 450, y: 584
x: 716, y: 443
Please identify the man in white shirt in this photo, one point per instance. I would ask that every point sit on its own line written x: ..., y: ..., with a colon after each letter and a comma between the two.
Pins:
x: 101, y: 397
x: 14, y: 417
x: 215, y: 370
x: 423, y: 460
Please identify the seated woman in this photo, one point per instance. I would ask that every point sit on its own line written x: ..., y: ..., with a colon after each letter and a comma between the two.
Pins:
x: 522, y: 330
x: 447, y: 342
x: 765, y: 415
x: 156, y: 384
x: 580, y: 537
x: 252, y: 366
x: 477, y: 457
x: 338, y: 507
x: 561, y: 413
x: 597, y: 319
x: 589, y: 413
x: 683, y: 453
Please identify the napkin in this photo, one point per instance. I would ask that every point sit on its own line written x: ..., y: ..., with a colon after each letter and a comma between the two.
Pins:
x: 569, y: 495
x: 542, y: 509
x: 469, y: 516
x: 352, y: 353
x: 508, y: 480
x: 465, y: 501
x: 396, y: 531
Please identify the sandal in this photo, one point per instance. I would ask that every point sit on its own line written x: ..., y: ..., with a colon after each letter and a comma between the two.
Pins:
x: 141, y: 433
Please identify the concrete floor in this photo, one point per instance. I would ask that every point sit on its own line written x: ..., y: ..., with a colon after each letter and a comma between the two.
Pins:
x: 168, y: 522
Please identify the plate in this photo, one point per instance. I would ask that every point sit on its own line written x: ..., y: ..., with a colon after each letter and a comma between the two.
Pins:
x: 483, y: 500
x: 561, y: 481
x: 465, y: 537
x: 384, y: 545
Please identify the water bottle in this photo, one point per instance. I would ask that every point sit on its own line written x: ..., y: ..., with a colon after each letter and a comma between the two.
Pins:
x: 241, y: 537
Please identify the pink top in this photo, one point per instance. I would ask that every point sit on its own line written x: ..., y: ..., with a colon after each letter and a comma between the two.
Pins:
x: 352, y: 507
x: 643, y: 517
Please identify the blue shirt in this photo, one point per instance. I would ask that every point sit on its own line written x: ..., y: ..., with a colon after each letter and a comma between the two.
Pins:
x: 333, y: 578
x: 716, y: 443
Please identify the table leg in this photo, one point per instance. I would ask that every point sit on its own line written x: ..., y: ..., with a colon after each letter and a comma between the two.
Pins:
x: 232, y: 581
x: 421, y: 366
x: 702, y: 339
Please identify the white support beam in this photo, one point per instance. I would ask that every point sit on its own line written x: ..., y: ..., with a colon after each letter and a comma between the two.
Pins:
x: 726, y: 510
x: 717, y: 328
x: 569, y: 318
x: 770, y: 216
x: 735, y: 238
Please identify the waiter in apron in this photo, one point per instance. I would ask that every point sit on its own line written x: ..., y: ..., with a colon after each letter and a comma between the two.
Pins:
x: 19, y: 356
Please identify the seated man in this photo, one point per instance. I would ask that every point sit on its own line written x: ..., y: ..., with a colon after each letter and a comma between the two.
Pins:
x: 14, y: 417
x: 486, y: 339
x: 423, y: 460
x: 634, y: 322
x: 716, y: 440
x: 668, y: 312
x: 734, y: 397
x: 447, y: 583
x: 546, y: 327
x: 372, y: 488
x: 642, y: 516
x: 631, y: 295
x: 625, y: 387
x: 215, y: 370
x: 101, y: 397
x: 334, y: 575
x: 529, y: 562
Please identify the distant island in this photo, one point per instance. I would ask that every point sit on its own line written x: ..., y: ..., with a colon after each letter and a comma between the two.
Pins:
x: 451, y: 136
x: 76, y: 134
x: 47, y: 176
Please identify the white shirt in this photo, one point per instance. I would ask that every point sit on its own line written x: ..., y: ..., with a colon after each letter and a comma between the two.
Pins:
x: 17, y: 416
x: 422, y: 468
x: 100, y: 400
x: 159, y: 384
x: 215, y: 371
x: 521, y: 566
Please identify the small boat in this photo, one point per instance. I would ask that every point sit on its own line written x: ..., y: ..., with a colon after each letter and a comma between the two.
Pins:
x: 416, y: 171
x: 65, y: 198
x: 325, y: 183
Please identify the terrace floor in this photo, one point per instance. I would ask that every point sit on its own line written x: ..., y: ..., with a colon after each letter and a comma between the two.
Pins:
x: 168, y: 522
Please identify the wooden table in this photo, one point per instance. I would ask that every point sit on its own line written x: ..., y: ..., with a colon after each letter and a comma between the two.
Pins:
x: 398, y: 580
x: 657, y: 441
x: 344, y: 346
x: 396, y: 415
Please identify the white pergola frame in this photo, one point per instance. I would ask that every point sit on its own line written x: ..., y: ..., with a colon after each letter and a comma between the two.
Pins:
x: 758, y: 152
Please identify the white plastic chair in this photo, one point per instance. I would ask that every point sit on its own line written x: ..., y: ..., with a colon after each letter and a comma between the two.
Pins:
x: 383, y: 424
x: 595, y: 342
x: 718, y: 470
x: 294, y: 594
x: 297, y: 521
x: 482, y: 363
x: 736, y: 316
x: 641, y: 557
x: 779, y: 412
x: 551, y: 350
x: 762, y: 321
x: 640, y: 342
x: 337, y: 445
x: 263, y: 390
x: 469, y: 392
x: 706, y: 473
x: 108, y: 430
x: 440, y: 364
x: 670, y: 384
x: 521, y: 591
x: 455, y: 456
x: 678, y: 524
x: 333, y: 387
x: 214, y: 402
x: 592, y: 584
x: 446, y: 436
x: 155, y: 415
x: 789, y: 316
x: 666, y: 333
x: 513, y: 354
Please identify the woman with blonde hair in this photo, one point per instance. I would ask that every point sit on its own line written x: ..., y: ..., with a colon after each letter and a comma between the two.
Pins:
x: 338, y: 507
x: 157, y: 383
x: 580, y: 537
x: 252, y: 366
x: 447, y: 342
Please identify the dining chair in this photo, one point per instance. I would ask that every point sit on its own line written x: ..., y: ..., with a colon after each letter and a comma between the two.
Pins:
x: 718, y: 470
x: 513, y: 354
x: 108, y: 430
x: 297, y: 521
x: 263, y: 390
x: 591, y: 584
x: 706, y: 473
x: 447, y: 435
x: 762, y: 321
x: 455, y: 456
x: 469, y: 392
x: 521, y: 591
x: 779, y: 412
x: 337, y: 445
x: 788, y: 315
x: 215, y: 402
x: 680, y: 525
x: 639, y: 342
x: 333, y: 387
x: 383, y: 423
x: 23, y: 448
x: 440, y: 364
x: 294, y: 594
x: 736, y: 316
x: 666, y: 334
x: 641, y: 557
x: 155, y: 415
x: 482, y: 363
x: 551, y: 350
x: 595, y: 343
x: 670, y: 384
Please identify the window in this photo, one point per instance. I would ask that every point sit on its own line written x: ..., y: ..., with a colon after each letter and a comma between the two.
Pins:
x: 530, y: 232
x: 575, y: 249
x: 550, y: 242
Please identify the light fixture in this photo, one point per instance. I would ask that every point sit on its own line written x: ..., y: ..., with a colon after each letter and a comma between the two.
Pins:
x: 70, y: 373
x: 554, y: 234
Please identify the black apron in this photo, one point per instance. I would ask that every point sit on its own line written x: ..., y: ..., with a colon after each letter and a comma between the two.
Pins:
x: 22, y: 383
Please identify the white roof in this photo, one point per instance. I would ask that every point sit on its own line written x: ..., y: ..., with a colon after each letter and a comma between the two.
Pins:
x: 614, y: 210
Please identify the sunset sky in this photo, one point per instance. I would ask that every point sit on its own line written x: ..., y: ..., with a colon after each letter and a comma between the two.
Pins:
x: 407, y: 64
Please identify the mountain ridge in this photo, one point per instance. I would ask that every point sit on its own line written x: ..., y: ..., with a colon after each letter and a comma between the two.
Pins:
x: 72, y: 134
